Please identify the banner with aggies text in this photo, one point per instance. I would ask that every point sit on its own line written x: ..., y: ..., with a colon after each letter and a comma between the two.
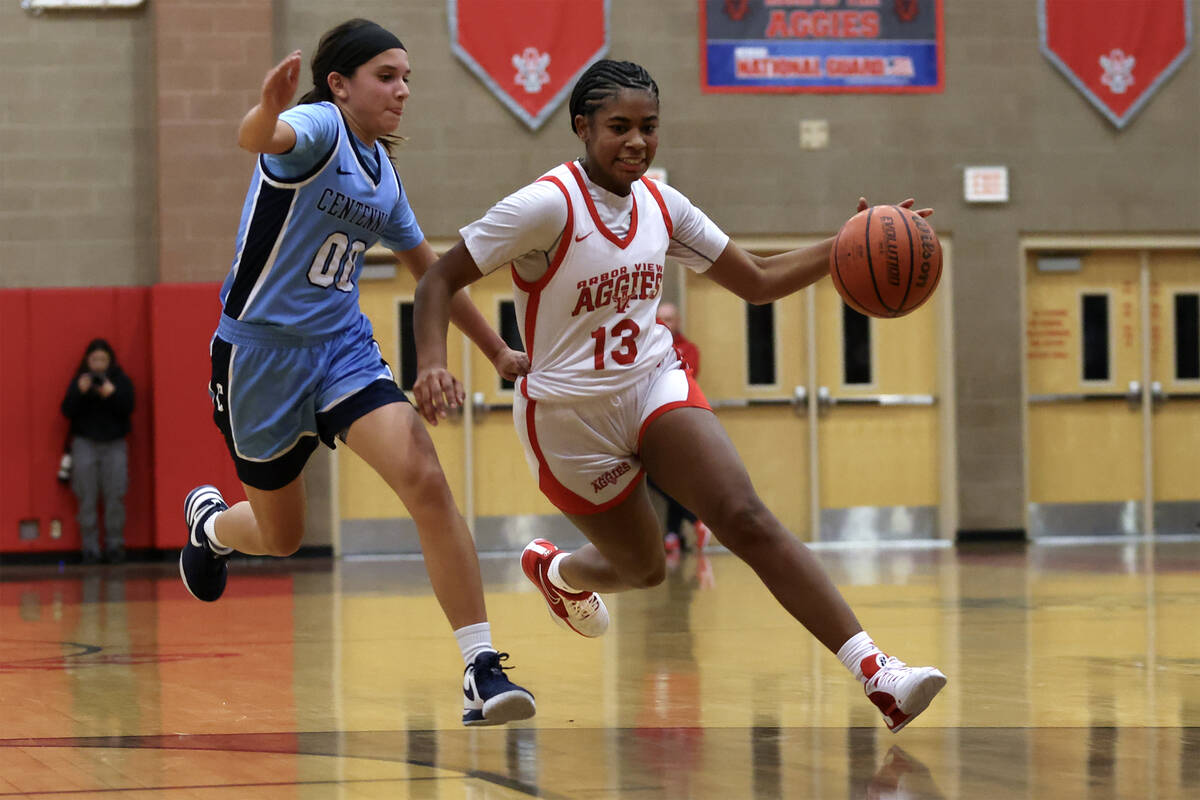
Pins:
x: 821, y: 45
x: 529, y: 52
x: 1116, y: 52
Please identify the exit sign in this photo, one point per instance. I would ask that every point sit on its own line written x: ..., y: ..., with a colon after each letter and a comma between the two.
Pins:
x: 985, y: 184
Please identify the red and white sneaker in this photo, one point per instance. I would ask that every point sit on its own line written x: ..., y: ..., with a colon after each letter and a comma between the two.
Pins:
x: 703, y: 534
x: 901, y: 692
x: 582, y: 612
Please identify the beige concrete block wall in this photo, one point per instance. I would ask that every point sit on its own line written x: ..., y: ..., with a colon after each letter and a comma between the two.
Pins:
x: 76, y: 149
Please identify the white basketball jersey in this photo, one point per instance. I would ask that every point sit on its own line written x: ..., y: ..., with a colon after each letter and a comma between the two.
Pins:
x: 588, y: 324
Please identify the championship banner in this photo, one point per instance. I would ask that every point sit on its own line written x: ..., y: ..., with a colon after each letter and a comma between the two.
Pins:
x: 825, y: 46
x: 1116, y: 52
x: 529, y: 52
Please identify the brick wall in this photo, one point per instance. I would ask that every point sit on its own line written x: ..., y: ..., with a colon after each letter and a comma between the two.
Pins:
x: 210, y: 60
x: 76, y: 149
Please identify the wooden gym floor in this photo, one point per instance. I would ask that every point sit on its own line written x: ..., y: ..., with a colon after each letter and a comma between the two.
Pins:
x: 1074, y: 673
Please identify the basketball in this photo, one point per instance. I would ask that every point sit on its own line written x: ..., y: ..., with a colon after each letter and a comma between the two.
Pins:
x: 886, y: 261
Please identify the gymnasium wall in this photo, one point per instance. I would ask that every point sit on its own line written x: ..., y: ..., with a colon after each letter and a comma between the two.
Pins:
x: 76, y: 142
x: 159, y: 335
x: 737, y: 156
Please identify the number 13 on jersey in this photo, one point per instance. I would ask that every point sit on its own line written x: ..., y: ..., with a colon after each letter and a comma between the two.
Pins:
x: 624, y: 334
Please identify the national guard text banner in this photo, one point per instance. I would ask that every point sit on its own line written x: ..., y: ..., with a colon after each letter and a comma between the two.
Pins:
x: 821, y: 45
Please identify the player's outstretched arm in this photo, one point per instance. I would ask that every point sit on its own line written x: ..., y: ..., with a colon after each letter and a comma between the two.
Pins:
x: 436, y: 389
x: 261, y: 130
x: 760, y: 280
x: 509, y: 363
x: 764, y: 279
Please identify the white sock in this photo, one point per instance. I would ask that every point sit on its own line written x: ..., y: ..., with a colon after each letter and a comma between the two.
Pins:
x: 473, y: 640
x: 556, y: 578
x: 210, y: 530
x: 852, y: 653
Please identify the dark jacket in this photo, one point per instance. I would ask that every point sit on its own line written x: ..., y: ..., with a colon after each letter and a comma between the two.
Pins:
x: 100, y: 419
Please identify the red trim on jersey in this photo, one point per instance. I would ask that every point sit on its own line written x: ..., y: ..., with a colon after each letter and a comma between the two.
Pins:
x: 600, y: 226
x: 563, y: 498
x: 695, y: 399
x: 534, y: 289
x: 657, y: 195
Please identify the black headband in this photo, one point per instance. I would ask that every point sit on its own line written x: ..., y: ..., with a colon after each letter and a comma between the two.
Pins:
x: 358, y: 47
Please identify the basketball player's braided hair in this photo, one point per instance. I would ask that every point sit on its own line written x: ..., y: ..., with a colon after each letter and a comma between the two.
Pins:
x: 603, y: 80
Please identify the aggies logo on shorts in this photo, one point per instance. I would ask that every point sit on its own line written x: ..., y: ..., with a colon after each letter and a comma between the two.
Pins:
x: 610, y: 478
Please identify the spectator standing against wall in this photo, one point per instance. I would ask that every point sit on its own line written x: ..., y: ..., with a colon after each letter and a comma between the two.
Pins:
x: 99, y: 403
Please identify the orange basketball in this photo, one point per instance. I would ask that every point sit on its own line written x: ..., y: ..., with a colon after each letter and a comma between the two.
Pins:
x: 886, y: 261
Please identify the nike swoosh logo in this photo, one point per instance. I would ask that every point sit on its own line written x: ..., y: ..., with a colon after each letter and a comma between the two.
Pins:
x: 581, y: 238
x: 341, y: 171
x: 552, y: 594
x: 467, y: 690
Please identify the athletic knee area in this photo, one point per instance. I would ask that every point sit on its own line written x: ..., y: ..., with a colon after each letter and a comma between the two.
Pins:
x: 645, y: 576
x: 280, y: 542
x: 745, y: 524
x: 423, y: 481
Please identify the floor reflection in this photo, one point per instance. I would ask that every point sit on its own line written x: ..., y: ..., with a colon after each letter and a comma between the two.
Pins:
x: 758, y: 763
x: 1074, y: 672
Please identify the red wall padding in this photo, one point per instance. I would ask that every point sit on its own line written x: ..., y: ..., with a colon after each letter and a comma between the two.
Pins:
x: 160, y: 335
x: 44, y: 334
x: 188, y: 448
x: 16, y: 402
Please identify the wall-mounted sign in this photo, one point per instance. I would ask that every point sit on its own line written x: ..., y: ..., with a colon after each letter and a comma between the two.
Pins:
x: 1117, y: 53
x: 821, y: 45
x: 529, y: 52
x: 985, y: 184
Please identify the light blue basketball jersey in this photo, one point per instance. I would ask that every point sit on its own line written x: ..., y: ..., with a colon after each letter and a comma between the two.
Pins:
x: 301, y: 240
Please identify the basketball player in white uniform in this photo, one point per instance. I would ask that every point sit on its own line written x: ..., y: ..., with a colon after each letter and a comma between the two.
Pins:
x: 606, y: 399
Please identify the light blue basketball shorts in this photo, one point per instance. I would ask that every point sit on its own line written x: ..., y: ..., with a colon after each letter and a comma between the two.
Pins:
x: 275, y: 394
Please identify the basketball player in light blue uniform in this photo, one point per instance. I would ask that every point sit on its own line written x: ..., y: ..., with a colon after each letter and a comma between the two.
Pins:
x: 294, y: 359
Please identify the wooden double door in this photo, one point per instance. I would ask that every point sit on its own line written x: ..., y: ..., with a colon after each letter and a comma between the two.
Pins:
x: 1112, y: 354
x: 841, y: 419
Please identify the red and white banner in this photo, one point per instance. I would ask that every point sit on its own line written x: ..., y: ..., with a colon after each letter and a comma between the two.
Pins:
x: 529, y: 52
x: 1117, y: 52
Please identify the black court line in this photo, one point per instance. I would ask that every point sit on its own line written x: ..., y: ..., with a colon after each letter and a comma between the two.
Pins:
x: 268, y: 743
x: 189, y: 786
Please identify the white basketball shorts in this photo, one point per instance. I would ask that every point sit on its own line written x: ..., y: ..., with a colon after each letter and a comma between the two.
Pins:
x: 584, y: 454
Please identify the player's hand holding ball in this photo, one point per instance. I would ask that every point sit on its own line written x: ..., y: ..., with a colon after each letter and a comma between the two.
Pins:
x: 886, y: 260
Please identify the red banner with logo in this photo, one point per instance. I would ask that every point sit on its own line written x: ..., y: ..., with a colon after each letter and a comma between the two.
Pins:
x: 529, y: 52
x: 1117, y: 52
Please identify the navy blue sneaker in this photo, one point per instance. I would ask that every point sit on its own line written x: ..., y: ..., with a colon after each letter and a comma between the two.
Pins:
x: 202, y: 568
x: 489, y: 697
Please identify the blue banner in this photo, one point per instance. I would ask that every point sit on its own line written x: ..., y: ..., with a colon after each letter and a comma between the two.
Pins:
x: 821, y: 45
